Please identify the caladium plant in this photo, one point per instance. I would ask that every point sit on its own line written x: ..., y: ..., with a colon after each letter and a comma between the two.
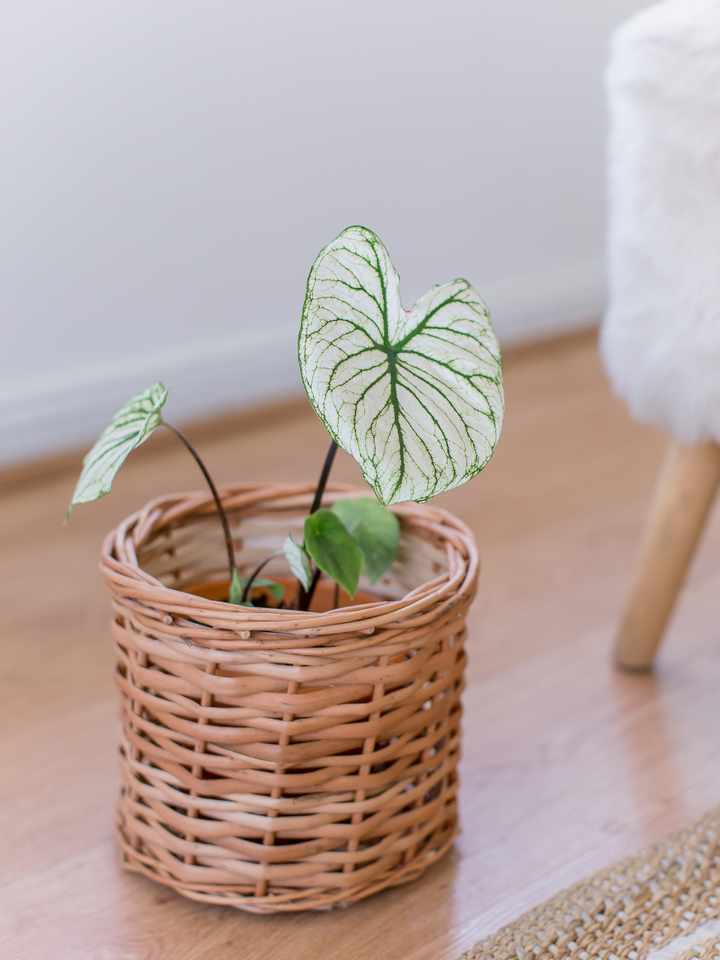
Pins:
x: 416, y: 396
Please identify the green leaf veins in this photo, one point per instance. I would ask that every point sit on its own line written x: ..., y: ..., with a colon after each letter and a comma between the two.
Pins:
x: 415, y: 396
x: 130, y: 427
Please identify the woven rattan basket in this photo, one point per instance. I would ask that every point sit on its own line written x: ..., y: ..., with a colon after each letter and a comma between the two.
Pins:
x: 275, y: 760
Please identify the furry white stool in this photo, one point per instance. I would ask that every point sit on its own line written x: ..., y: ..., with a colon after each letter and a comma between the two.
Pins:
x: 661, y: 334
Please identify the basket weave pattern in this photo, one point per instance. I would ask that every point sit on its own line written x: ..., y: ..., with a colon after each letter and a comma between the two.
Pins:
x: 275, y: 760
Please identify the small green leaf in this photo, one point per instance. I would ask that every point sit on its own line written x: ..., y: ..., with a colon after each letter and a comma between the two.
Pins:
x: 376, y: 529
x: 236, y: 587
x: 276, y: 590
x: 416, y: 396
x: 299, y: 561
x: 130, y: 427
x: 333, y: 549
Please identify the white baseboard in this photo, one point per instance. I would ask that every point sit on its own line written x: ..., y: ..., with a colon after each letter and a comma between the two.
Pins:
x: 49, y: 416
x: 543, y: 304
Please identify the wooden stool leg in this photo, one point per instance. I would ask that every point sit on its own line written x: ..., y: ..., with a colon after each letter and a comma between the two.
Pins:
x: 683, y: 496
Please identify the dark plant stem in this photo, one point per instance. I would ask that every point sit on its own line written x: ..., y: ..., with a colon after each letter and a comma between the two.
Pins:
x: 216, y: 496
x: 322, y: 482
x: 251, y: 579
x: 306, y: 596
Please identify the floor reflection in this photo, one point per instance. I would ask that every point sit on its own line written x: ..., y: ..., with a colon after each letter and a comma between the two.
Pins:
x: 649, y: 744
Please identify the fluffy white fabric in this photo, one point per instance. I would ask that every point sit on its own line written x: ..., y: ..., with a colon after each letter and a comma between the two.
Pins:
x: 661, y: 334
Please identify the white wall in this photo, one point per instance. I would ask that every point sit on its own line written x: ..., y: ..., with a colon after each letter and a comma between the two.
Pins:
x: 170, y: 168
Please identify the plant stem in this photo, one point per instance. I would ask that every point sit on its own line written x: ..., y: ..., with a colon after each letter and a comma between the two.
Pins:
x: 216, y: 496
x: 306, y: 595
x: 322, y: 482
x: 251, y: 579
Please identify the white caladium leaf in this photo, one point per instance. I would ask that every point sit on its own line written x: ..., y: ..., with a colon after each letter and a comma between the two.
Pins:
x: 130, y: 427
x: 415, y: 396
x: 298, y: 561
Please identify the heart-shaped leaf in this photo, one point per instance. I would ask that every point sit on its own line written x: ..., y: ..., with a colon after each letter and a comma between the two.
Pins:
x: 130, y: 427
x: 333, y: 549
x: 376, y: 530
x: 415, y: 396
x: 298, y: 561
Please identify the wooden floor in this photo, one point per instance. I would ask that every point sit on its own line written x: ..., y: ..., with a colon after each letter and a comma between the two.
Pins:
x: 567, y: 765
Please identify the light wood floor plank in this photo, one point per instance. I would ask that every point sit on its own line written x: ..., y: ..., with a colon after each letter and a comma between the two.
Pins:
x: 567, y: 764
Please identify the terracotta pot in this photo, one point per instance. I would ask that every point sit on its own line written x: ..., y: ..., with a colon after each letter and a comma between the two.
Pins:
x: 327, y: 595
x: 275, y: 760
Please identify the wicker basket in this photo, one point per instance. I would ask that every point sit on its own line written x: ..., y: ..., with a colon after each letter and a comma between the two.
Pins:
x: 275, y: 760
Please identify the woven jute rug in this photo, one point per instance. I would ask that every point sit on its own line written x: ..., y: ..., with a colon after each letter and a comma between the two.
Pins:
x: 662, y: 904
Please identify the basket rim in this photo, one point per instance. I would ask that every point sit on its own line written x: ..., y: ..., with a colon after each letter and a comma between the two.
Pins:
x: 132, y: 586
